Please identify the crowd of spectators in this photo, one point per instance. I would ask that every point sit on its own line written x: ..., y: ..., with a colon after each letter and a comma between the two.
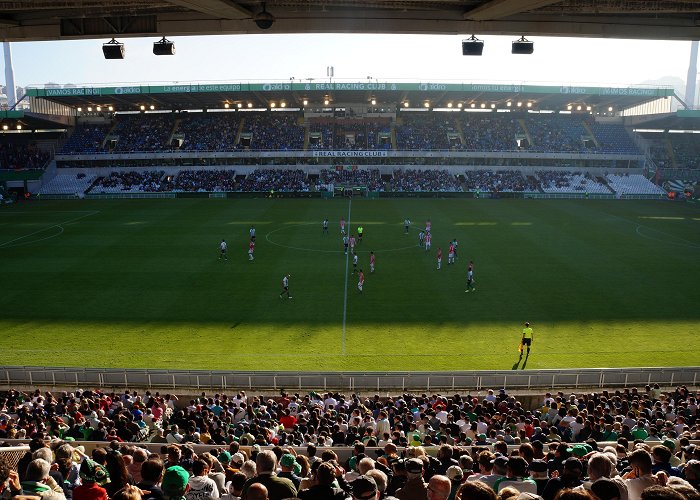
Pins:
x: 208, y: 131
x: 148, y: 181
x: 22, y: 155
x: 557, y: 181
x: 556, y: 133
x: 369, y: 178
x: 266, y: 180
x: 433, y: 180
x: 600, y: 445
x: 268, y: 131
x: 201, y: 181
x: 87, y: 138
x: 493, y: 181
x: 686, y: 150
x: 143, y: 132
x: 489, y: 131
x: 425, y: 131
x: 348, y: 134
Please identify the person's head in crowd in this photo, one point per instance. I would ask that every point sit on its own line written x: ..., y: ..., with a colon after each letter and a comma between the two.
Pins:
x: 500, y: 465
x: 661, y: 454
x: 44, y: 454
x: 414, y: 468
x: 508, y: 492
x: 599, y: 465
x: 640, y: 461
x: 455, y: 474
x: 605, y: 489
x: 573, y: 494
x: 364, y: 465
x: 659, y: 492
x: 235, y: 486
x: 486, y: 462
x: 237, y: 460
x: 99, y: 455
x: 380, y: 478
x: 128, y: 492
x: 38, y: 470
x: 265, y: 462
x: 257, y: 491
x: 439, y: 487
x: 573, y: 468
x: 365, y: 488
x: 517, y: 467
x: 538, y: 469
x: 200, y: 468
x: 683, y: 487
x: 92, y: 472
x: 475, y: 490
x: 116, y: 467
x: 152, y: 470
x: 249, y: 468
x: 175, y: 483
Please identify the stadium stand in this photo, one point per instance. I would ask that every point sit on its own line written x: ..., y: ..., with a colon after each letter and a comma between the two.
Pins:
x: 556, y: 181
x: 207, y: 132
x: 268, y: 131
x: 68, y: 184
x: 265, y: 180
x: 87, y: 138
x: 424, y: 180
x: 15, y: 155
x: 613, y: 138
x: 489, y: 131
x: 129, y: 182
x: 633, y: 184
x: 201, y: 181
x: 497, y: 181
x: 425, y: 131
x: 686, y: 150
x: 551, y: 132
x: 368, y: 178
x: 142, y: 132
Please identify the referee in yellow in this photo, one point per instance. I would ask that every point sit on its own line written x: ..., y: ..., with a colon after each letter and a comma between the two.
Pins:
x: 527, y: 337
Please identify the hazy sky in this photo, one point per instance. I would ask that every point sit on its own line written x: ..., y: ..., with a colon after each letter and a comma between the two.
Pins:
x: 354, y: 57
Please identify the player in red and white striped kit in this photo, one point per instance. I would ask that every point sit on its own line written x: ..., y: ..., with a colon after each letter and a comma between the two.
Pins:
x: 371, y: 262
x: 251, y: 249
x: 361, y: 281
x: 451, y: 255
x: 439, y: 258
x: 428, y: 238
x: 342, y: 225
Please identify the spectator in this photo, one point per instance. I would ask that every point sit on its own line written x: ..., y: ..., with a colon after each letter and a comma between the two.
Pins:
x: 38, y: 482
x: 278, y: 488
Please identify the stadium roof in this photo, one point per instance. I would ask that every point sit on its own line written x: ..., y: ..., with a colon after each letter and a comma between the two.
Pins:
x: 683, y: 119
x: 390, y: 94
x: 83, y: 19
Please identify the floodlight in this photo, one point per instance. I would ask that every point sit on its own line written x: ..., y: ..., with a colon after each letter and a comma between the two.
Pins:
x: 264, y: 20
x: 5, y: 126
x: 113, y: 49
x: 472, y: 46
x: 283, y: 104
x: 483, y: 105
x: 405, y: 104
x: 239, y: 105
x: 522, y: 46
x: 374, y: 101
x: 151, y: 107
x: 272, y: 104
x: 89, y: 109
x: 493, y: 106
x: 569, y: 107
x: 520, y: 104
x: 472, y: 105
x: 509, y: 104
x: 80, y: 109
x: 227, y: 105
x: 305, y: 102
x: 610, y: 108
x: 142, y: 107
x: 99, y: 108
x: 19, y: 126
x: 426, y: 104
x: 449, y: 104
x: 588, y: 108
x: 164, y: 47
x: 578, y: 108
x: 459, y: 105
x: 529, y: 104
x: 326, y: 101
x: 250, y: 104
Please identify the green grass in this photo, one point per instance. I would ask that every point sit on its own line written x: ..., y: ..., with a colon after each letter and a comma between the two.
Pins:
x: 138, y: 283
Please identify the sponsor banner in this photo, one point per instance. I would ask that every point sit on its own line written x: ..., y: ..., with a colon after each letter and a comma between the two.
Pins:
x: 350, y: 154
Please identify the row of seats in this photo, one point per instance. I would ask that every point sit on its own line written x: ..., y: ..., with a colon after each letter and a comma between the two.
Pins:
x: 401, y: 180
x: 281, y: 131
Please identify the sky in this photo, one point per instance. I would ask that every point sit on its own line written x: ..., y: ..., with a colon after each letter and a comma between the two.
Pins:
x: 414, y: 58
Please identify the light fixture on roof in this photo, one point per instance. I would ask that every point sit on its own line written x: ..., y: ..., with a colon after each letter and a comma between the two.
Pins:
x: 19, y: 126
x: 272, y: 105
x: 142, y: 107
x: 164, y: 47
x: 522, y: 46
x: 459, y: 105
x: 374, y: 102
x: 99, y: 108
x: 520, y: 104
x: 493, y: 106
x: 5, y: 126
x: 226, y: 105
x: 509, y: 104
x: 405, y: 104
x: 449, y: 104
x: 472, y: 105
x: 472, y: 46
x: 111, y: 108
x: 529, y: 104
x: 569, y: 107
x: 305, y: 102
x: 239, y: 105
x: 426, y: 104
x: 610, y: 108
x: 326, y: 101
x: 89, y: 109
x: 283, y: 104
x: 151, y: 107
x: 250, y: 104
x: 483, y: 105
x: 578, y: 108
x: 80, y: 109
x: 588, y: 108
x: 113, y: 49
x: 264, y: 20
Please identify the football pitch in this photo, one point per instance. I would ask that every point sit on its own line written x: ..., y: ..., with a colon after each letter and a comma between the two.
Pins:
x: 139, y: 284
